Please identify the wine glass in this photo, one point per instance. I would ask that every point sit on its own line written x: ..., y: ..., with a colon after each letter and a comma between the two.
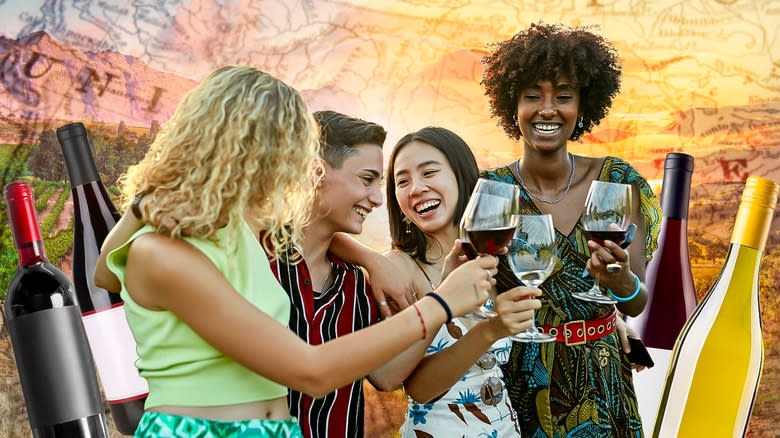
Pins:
x: 532, y: 258
x: 606, y: 217
x: 488, y: 224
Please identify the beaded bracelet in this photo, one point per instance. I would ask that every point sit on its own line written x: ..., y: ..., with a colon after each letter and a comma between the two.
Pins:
x: 630, y: 297
x: 443, y: 304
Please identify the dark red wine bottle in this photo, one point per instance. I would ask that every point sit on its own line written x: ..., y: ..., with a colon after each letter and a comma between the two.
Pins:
x: 102, y: 312
x: 671, y: 293
x: 55, y: 366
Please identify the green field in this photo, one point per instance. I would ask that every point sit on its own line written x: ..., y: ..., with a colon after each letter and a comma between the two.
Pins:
x: 13, y: 161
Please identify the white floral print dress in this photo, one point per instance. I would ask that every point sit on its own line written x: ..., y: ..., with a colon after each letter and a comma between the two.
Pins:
x: 461, y: 411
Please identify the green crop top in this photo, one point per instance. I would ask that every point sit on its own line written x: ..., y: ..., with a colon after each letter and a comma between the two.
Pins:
x: 180, y: 367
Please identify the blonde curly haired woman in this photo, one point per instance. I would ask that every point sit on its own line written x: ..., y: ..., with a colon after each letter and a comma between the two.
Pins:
x: 237, y: 160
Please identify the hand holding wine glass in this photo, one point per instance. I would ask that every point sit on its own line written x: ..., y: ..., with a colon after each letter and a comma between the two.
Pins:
x: 488, y: 224
x: 468, y: 285
x: 515, y: 311
x: 606, y: 217
x: 532, y: 256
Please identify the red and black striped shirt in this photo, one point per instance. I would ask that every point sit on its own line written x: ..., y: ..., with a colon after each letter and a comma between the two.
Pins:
x: 345, y: 307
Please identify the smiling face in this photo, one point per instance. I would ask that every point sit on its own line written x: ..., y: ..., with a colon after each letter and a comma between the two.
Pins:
x: 547, y: 114
x: 425, y: 187
x: 350, y: 192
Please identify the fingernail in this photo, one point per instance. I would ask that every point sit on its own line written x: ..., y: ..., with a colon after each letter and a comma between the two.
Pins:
x: 585, y: 273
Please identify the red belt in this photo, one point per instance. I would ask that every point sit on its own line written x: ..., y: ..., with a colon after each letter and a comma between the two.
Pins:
x: 582, y: 331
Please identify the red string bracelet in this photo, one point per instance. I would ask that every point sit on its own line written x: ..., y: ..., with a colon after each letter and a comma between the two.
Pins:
x: 422, y: 321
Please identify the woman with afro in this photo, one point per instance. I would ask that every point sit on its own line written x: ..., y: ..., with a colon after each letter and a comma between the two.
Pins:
x: 549, y: 85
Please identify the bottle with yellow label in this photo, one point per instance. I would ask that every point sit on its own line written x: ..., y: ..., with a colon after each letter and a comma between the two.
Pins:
x: 717, y: 359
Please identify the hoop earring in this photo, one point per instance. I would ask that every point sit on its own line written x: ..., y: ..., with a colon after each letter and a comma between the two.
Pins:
x: 580, y: 124
x: 514, y: 117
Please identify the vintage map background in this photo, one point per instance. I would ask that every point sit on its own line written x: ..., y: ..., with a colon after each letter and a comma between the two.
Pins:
x: 702, y: 77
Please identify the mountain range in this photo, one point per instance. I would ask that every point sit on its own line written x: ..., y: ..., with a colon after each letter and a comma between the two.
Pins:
x: 42, y: 79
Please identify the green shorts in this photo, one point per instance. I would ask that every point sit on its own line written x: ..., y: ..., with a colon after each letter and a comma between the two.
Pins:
x: 160, y: 425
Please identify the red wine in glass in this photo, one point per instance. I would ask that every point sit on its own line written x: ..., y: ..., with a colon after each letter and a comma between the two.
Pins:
x: 600, y: 236
x: 487, y: 225
x: 491, y: 240
x: 606, y: 217
x: 469, y: 249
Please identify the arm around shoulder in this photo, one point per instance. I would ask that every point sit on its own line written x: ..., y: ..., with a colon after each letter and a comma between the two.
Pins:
x: 222, y: 318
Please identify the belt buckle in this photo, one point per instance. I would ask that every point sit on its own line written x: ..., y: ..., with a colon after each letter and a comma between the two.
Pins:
x: 570, y: 336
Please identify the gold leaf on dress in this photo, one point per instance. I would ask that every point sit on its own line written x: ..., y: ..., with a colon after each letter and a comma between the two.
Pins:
x: 543, y: 411
x: 580, y: 414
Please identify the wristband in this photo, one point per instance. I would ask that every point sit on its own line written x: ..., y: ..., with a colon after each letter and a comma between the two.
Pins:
x: 134, y: 206
x: 443, y: 304
x: 630, y: 297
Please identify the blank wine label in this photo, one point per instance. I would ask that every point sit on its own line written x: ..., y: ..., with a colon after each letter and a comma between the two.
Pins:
x: 111, y: 342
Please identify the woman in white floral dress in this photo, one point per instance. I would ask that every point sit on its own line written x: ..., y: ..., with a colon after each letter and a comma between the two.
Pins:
x: 457, y: 389
x: 461, y: 410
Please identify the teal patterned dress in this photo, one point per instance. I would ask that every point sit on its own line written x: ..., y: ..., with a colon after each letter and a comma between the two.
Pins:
x: 582, y: 390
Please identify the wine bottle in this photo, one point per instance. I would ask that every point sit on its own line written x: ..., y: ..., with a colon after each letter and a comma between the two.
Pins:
x: 716, y: 364
x: 58, y: 377
x: 102, y: 312
x: 671, y: 293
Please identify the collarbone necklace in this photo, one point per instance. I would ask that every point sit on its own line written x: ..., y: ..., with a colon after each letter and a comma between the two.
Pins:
x: 565, y: 193
x: 326, y: 283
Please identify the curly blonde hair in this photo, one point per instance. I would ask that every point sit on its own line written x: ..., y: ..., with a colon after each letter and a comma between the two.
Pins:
x: 241, y: 142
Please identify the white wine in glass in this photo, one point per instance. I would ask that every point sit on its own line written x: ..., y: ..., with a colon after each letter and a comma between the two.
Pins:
x: 532, y: 256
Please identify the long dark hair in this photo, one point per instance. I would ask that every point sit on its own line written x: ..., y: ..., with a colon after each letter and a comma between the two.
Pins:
x: 464, y: 166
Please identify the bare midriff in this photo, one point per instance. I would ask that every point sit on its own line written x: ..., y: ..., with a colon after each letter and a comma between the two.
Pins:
x: 275, y: 409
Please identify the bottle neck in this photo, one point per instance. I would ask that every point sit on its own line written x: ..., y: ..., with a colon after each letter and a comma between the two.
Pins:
x: 751, y: 227
x: 78, y: 154
x: 676, y: 192
x: 24, y: 224
x: 679, y: 225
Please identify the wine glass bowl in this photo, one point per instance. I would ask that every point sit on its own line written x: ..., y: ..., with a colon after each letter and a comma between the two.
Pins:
x: 606, y: 217
x: 487, y: 225
x: 532, y: 258
x: 489, y: 218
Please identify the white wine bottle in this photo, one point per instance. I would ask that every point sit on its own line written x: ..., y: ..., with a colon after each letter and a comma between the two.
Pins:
x: 716, y: 364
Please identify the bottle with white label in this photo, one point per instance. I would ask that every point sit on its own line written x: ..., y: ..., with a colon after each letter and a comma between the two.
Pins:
x: 102, y: 312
